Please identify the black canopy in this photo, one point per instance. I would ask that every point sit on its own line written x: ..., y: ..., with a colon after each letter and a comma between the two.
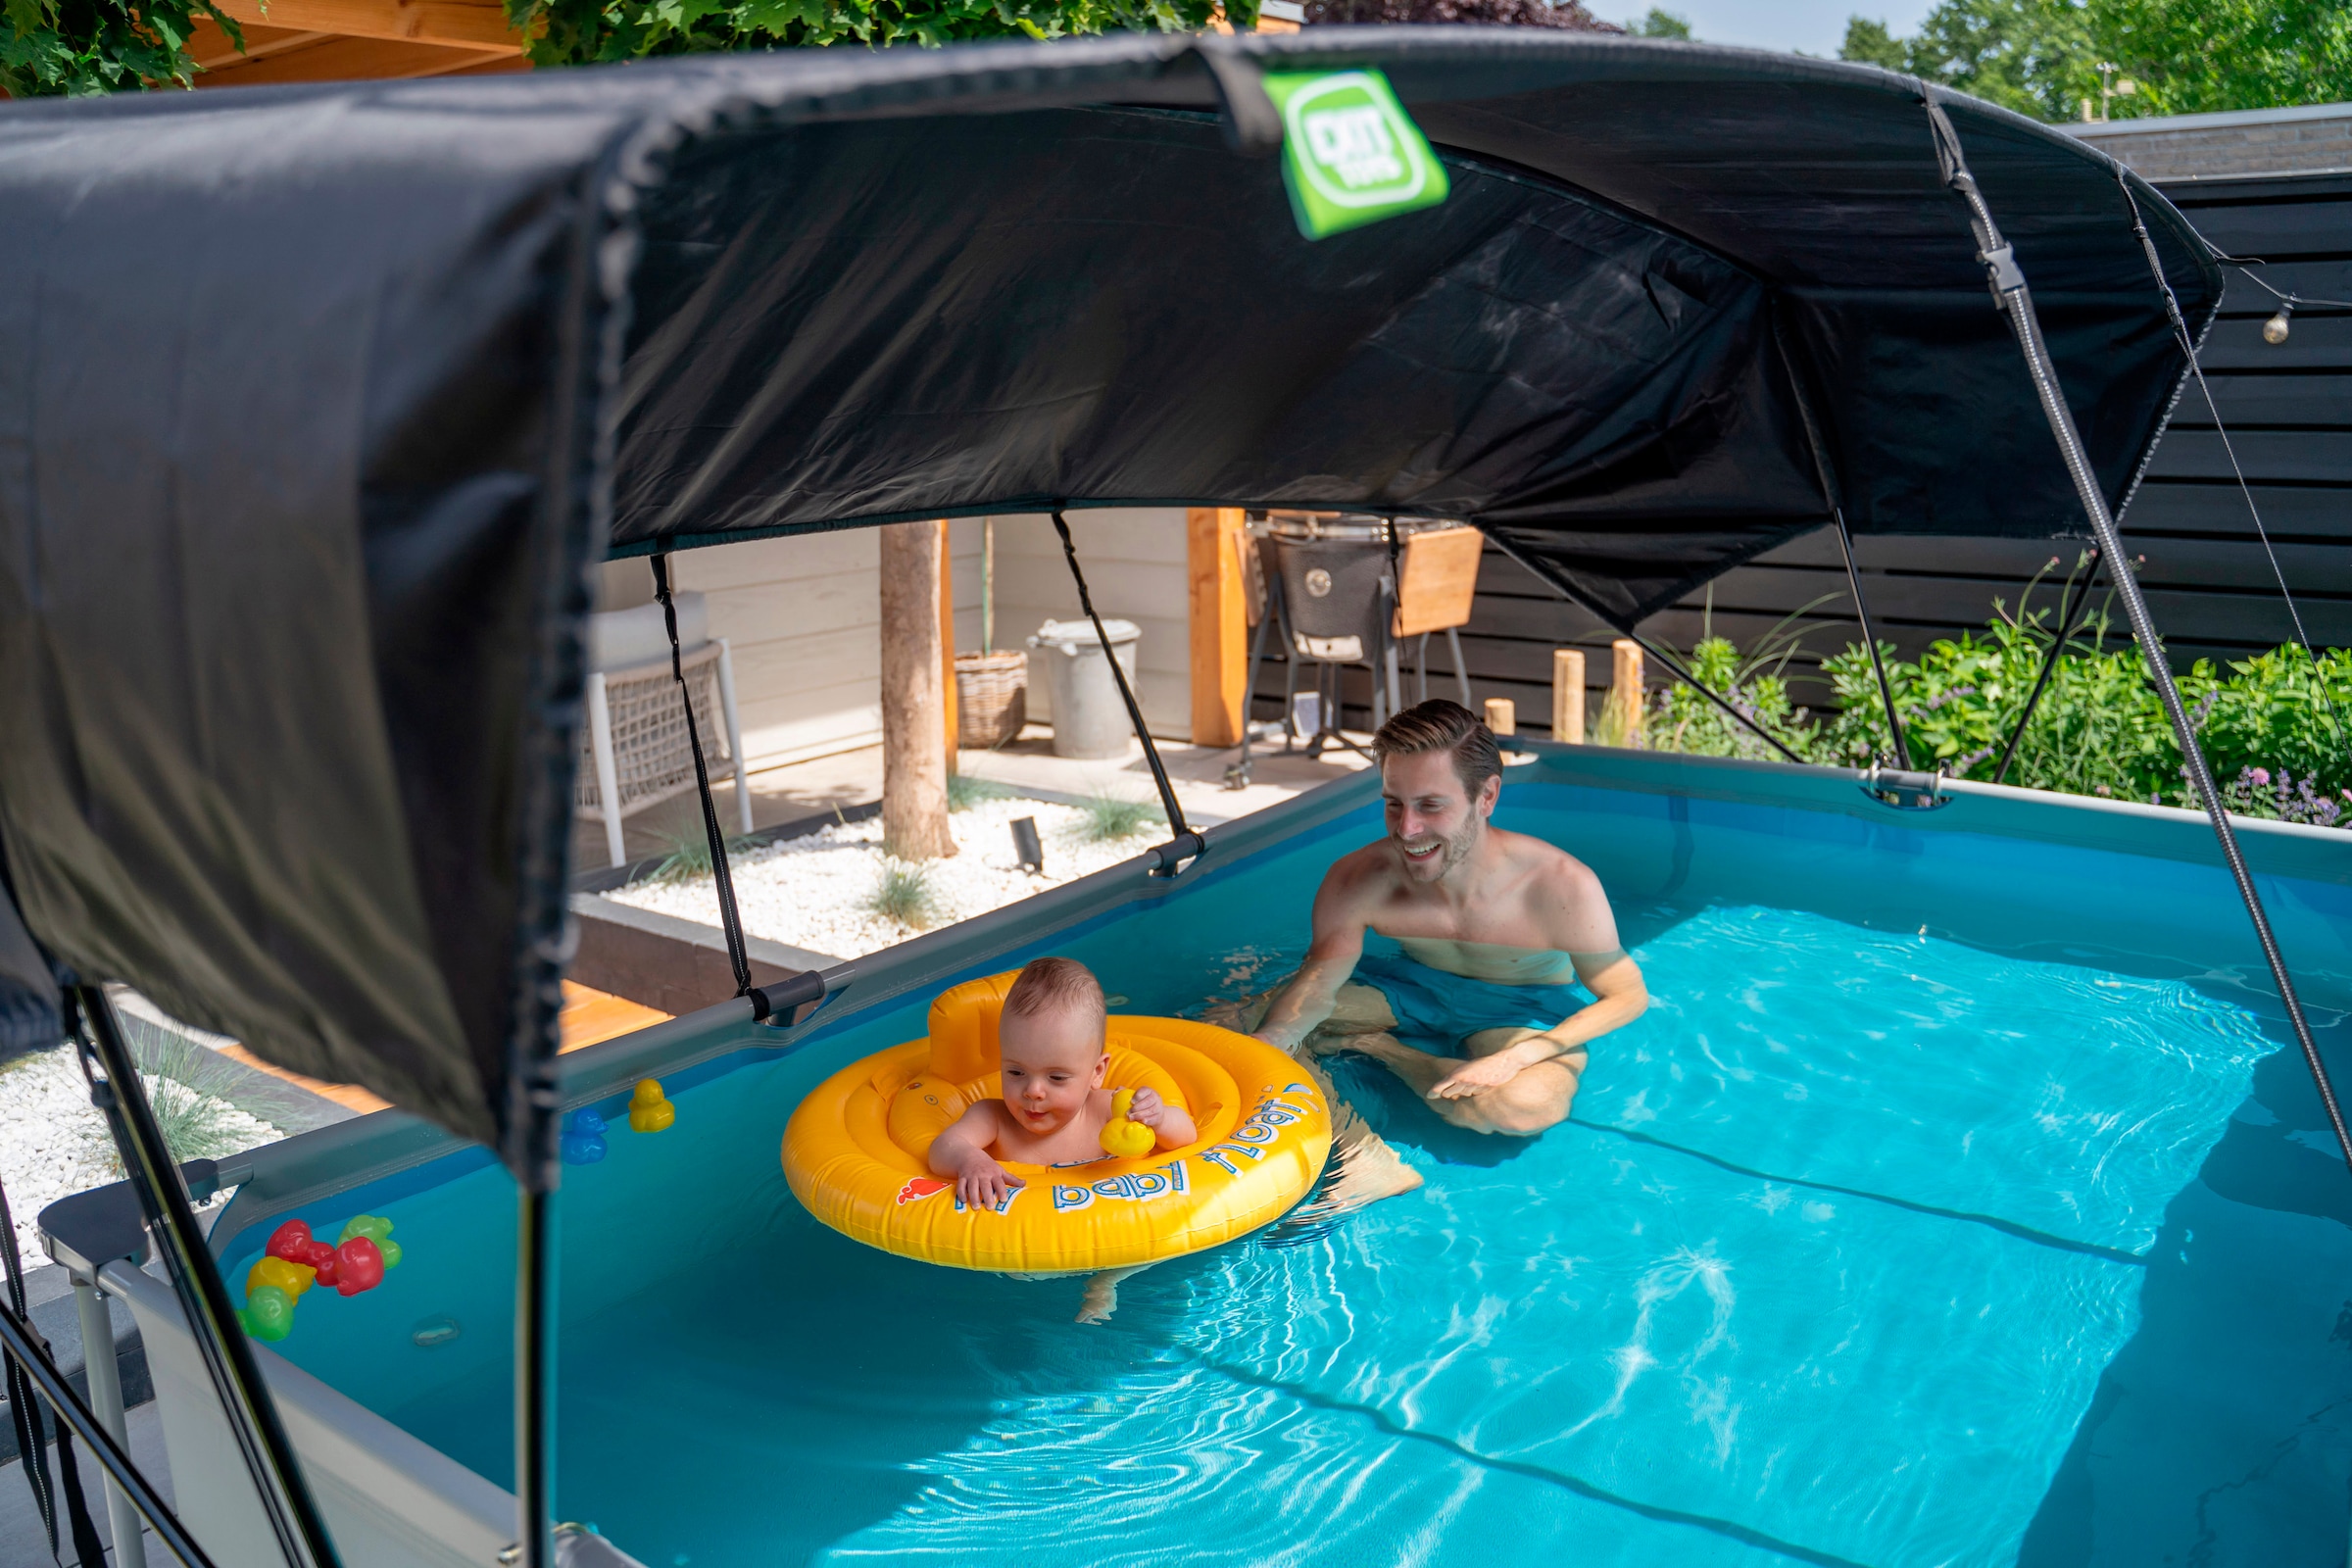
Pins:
x: 315, y: 403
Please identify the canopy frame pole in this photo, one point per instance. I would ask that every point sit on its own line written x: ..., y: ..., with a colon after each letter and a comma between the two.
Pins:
x: 20, y: 1353
x: 1559, y: 584
x: 19, y: 1337
x: 723, y: 876
x: 2013, y: 298
x: 1184, y: 844
x: 2068, y: 628
x: 236, y: 1377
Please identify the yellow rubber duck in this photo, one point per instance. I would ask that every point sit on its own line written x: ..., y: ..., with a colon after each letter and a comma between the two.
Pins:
x: 291, y: 1278
x: 1124, y: 1138
x: 649, y: 1112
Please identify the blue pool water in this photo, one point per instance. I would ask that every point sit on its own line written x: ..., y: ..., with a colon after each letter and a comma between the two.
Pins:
x: 1953, y: 1204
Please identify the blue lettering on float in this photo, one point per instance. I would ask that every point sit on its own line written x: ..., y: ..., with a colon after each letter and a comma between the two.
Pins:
x: 1175, y: 1172
x: 1147, y: 1184
x: 1216, y: 1158
x: 1251, y: 1132
x: 1067, y: 1198
x: 1239, y: 1148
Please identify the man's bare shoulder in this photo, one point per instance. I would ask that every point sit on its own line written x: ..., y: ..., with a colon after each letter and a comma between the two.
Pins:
x: 1366, y: 873
x: 1560, y: 886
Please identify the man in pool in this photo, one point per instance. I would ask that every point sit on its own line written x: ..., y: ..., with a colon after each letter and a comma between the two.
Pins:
x: 1496, y: 929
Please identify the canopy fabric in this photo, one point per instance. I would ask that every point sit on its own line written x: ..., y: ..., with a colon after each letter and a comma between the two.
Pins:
x: 315, y: 404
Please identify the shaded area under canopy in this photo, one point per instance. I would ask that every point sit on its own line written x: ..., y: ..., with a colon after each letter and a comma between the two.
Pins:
x: 316, y: 404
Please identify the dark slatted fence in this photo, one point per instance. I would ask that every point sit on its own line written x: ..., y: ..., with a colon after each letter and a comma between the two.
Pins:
x: 2210, y: 584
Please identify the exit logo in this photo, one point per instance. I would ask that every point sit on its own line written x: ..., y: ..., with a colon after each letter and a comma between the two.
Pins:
x: 1350, y: 154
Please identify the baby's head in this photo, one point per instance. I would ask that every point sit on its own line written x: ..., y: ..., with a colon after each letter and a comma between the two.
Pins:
x: 1050, y: 1042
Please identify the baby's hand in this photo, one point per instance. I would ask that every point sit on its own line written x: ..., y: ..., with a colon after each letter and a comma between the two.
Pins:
x: 982, y: 1183
x: 1148, y: 1108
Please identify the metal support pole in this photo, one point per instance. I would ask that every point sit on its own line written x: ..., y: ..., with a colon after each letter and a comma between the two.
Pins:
x: 2017, y: 302
x: 535, y: 1376
x: 236, y: 1378
x: 1853, y: 578
x: 106, y: 1402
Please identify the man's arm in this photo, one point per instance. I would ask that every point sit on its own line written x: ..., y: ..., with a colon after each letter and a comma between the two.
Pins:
x: 1619, y: 997
x: 1574, y: 911
x: 1339, y: 940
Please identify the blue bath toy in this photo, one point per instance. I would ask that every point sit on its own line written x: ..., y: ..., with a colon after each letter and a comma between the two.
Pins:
x: 583, y: 1138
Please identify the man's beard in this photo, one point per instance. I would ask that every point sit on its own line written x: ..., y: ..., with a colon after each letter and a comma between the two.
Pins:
x: 1454, y: 849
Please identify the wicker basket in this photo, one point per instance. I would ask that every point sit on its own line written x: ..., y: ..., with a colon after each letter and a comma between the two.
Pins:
x: 992, y: 698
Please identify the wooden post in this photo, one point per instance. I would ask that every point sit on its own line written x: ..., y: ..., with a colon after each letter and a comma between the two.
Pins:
x: 1625, y: 691
x: 1219, y: 625
x: 947, y: 643
x: 1568, y: 694
x: 1502, y: 715
x: 915, y: 762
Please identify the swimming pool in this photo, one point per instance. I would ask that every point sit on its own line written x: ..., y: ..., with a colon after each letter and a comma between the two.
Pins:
x: 1954, y: 1204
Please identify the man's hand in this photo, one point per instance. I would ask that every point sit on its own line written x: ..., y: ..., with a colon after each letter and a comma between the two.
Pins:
x: 982, y: 1183
x: 1477, y: 1074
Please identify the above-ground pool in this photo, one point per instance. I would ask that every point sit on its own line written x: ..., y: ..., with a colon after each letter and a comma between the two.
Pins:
x: 1955, y: 1202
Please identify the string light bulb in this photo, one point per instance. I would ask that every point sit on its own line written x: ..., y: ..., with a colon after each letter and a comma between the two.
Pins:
x: 2273, y: 331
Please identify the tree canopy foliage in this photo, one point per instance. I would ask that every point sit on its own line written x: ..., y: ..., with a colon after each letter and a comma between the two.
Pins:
x: 2125, y: 58
x: 53, y: 47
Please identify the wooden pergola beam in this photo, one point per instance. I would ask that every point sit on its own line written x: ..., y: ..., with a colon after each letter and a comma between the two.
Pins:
x: 450, y: 23
x: 345, y: 59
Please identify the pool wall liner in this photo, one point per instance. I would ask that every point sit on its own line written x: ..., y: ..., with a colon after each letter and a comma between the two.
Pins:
x: 390, y: 1147
x: 373, y: 1160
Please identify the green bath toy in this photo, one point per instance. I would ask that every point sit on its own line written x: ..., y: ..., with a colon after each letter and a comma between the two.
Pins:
x: 267, y: 1314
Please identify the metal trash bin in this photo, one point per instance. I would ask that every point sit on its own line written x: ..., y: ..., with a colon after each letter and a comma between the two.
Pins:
x: 1066, y: 666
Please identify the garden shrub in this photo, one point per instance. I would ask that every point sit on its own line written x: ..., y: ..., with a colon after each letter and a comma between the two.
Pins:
x: 2276, y: 728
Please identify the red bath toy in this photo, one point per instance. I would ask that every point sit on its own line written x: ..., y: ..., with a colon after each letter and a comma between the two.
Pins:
x: 294, y: 1243
x: 359, y: 1266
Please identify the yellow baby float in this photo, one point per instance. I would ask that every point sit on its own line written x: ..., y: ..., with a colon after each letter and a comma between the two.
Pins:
x: 854, y: 1151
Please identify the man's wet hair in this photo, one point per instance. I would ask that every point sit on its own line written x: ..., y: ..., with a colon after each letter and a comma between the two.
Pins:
x: 1056, y: 985
x: 1440, y: 726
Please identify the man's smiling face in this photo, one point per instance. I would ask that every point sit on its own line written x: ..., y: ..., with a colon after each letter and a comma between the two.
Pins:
x: 1434, y: 821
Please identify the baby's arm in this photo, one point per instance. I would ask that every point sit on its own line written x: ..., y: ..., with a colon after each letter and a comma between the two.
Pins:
x: 962, y: 1152
x: 1171, y: 1127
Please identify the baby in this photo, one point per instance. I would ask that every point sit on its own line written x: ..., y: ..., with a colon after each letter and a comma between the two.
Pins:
x: 1050, y: 1041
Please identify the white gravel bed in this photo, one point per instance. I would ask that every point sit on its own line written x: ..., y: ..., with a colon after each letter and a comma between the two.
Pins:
x: 814, y: 892
x: 52, y: 1142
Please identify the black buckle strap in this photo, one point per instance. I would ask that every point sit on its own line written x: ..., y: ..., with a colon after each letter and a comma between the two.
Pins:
x: 1135, y: 713
x: 722, y: 877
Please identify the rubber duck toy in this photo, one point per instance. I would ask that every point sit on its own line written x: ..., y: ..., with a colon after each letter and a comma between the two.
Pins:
x: 291, y: 1278
x: 1123, y: 1139
x: 649, y: 1112
x: 583, y: 1138
x: 294, y: 1243
x: 267, y: 1312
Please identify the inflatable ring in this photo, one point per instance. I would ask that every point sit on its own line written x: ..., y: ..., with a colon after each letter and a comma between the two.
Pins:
x: 855, y: 1150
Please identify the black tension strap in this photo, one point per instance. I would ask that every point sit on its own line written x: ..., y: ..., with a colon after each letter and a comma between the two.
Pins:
x: 1566, y: 589
x: 1827, y: 474
x: 2069, y: 627
x: 2011, y: 295
x: 730, y: 919
x: 1185, y: 844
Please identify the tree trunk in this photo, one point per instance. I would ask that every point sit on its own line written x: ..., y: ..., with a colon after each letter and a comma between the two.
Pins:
x: 914, y: 751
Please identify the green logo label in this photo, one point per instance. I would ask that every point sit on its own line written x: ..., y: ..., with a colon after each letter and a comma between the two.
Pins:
x: 1350, y: 155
